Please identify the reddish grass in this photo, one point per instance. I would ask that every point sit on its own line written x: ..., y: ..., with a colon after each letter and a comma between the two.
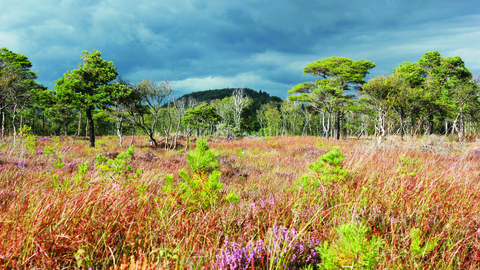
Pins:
x: 99, y: 222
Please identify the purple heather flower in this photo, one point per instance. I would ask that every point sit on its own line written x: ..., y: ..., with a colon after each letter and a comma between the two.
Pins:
x: 300, y: 253
x: 45, y: 139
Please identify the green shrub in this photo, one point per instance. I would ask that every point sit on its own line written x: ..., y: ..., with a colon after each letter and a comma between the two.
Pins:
x: 327, y: 169
x: 352, y: 249
x: 201, y: 183
x: 420, y: 248
x: 49, y: 151
x: 59, y: 163
x: 118, y: 168
x: 82, y: 171
x: 29, y: 139
x: 408, y: 166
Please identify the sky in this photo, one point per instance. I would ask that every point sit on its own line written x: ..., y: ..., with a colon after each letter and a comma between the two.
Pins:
x: 259, y: 44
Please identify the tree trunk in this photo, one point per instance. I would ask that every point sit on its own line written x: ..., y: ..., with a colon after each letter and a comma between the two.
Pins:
x: 78, y: 130
x: 430, y: 124
x: 167, y: 130
x: 186, y: 144
x: 167, y: 135
x: 337, y: 126
x: 65, y: 126
x: 133, y: 134
x: 3, y: 124
x: 176, y: 134
x: 402, y: 133
x: 79, y: 123
x: 461, y: 127
x: 43, y: 123
x: 412, y: 127
x: 2, y: 133
x: 119, y: 130
x: 326, y: 128
x: 13, y: 123
x: 33, y: 125
x: 91, y: 126
x: 381, y: 125
x: 21, y: 125
x: 152, y: 140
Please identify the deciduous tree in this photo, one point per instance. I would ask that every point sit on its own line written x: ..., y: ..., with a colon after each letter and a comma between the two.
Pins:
x: 150, y: 96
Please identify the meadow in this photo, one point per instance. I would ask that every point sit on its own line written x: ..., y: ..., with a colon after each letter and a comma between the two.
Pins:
x: 251, y: 203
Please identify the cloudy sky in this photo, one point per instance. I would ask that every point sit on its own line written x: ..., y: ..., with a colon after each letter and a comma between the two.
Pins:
x: 260, y: 44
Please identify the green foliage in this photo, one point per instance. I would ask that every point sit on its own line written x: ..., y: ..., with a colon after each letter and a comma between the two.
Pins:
x: 240, y: 153
x: 18, y: 61
x: 203, y: 160
x: 340, y: 69
x: 326, y: 170
x: 436, y: 81
x: 408, y: 166
x: 209, y: 95
x: 49, y: 151
x: 82, y: 170
x: 119, y: 167
x: 345, y: 68
x: 200, y: 189
x: 201, y: 116
x: 80, y: 257
x: 327, y: 95
x: 232, y: 197
x: 15, y: 74
x: 29, y: 139
x: 221, y: 99
x: 354, y: 248
x: 88, y: 84
x: 201, y: 183
x: 144, y: 104
x: 16, y: 81
x: 59, y: 163
x: 418, y: 246
x: 87, y: 87
x: 226, y: 130
x: 382, y: 88
x: 60, y: 185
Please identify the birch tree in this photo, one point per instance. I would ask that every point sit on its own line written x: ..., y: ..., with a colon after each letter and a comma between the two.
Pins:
x: 150, y: 96
x: 239, y: 104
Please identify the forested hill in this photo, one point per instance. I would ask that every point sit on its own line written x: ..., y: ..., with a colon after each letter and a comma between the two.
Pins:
x: 209, y: 95
x: 249, y: 115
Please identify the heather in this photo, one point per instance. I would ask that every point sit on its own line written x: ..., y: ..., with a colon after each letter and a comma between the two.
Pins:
x: 251, y: 203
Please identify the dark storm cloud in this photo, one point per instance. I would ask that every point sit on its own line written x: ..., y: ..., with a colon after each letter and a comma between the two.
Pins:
x: 215, y: 44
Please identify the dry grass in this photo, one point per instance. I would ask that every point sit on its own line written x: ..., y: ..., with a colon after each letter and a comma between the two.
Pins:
x: 100, y: 222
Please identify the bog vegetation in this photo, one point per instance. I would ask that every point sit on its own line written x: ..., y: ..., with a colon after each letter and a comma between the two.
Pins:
x: 286, y: 202
x: 345, y: 173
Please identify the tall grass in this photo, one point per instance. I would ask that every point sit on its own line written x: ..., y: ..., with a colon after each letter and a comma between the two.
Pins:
x: 421, y: 202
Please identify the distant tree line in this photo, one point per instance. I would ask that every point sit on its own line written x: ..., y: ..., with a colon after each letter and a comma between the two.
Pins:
x: 433, y: 95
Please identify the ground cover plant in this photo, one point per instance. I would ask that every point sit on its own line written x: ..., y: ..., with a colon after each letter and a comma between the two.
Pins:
x: 251, y: 203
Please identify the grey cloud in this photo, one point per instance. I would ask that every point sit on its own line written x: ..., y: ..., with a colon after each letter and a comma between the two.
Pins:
x: 259, y: 44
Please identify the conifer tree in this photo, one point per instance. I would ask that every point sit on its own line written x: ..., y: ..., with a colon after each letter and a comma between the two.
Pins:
x: 88, y: 87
